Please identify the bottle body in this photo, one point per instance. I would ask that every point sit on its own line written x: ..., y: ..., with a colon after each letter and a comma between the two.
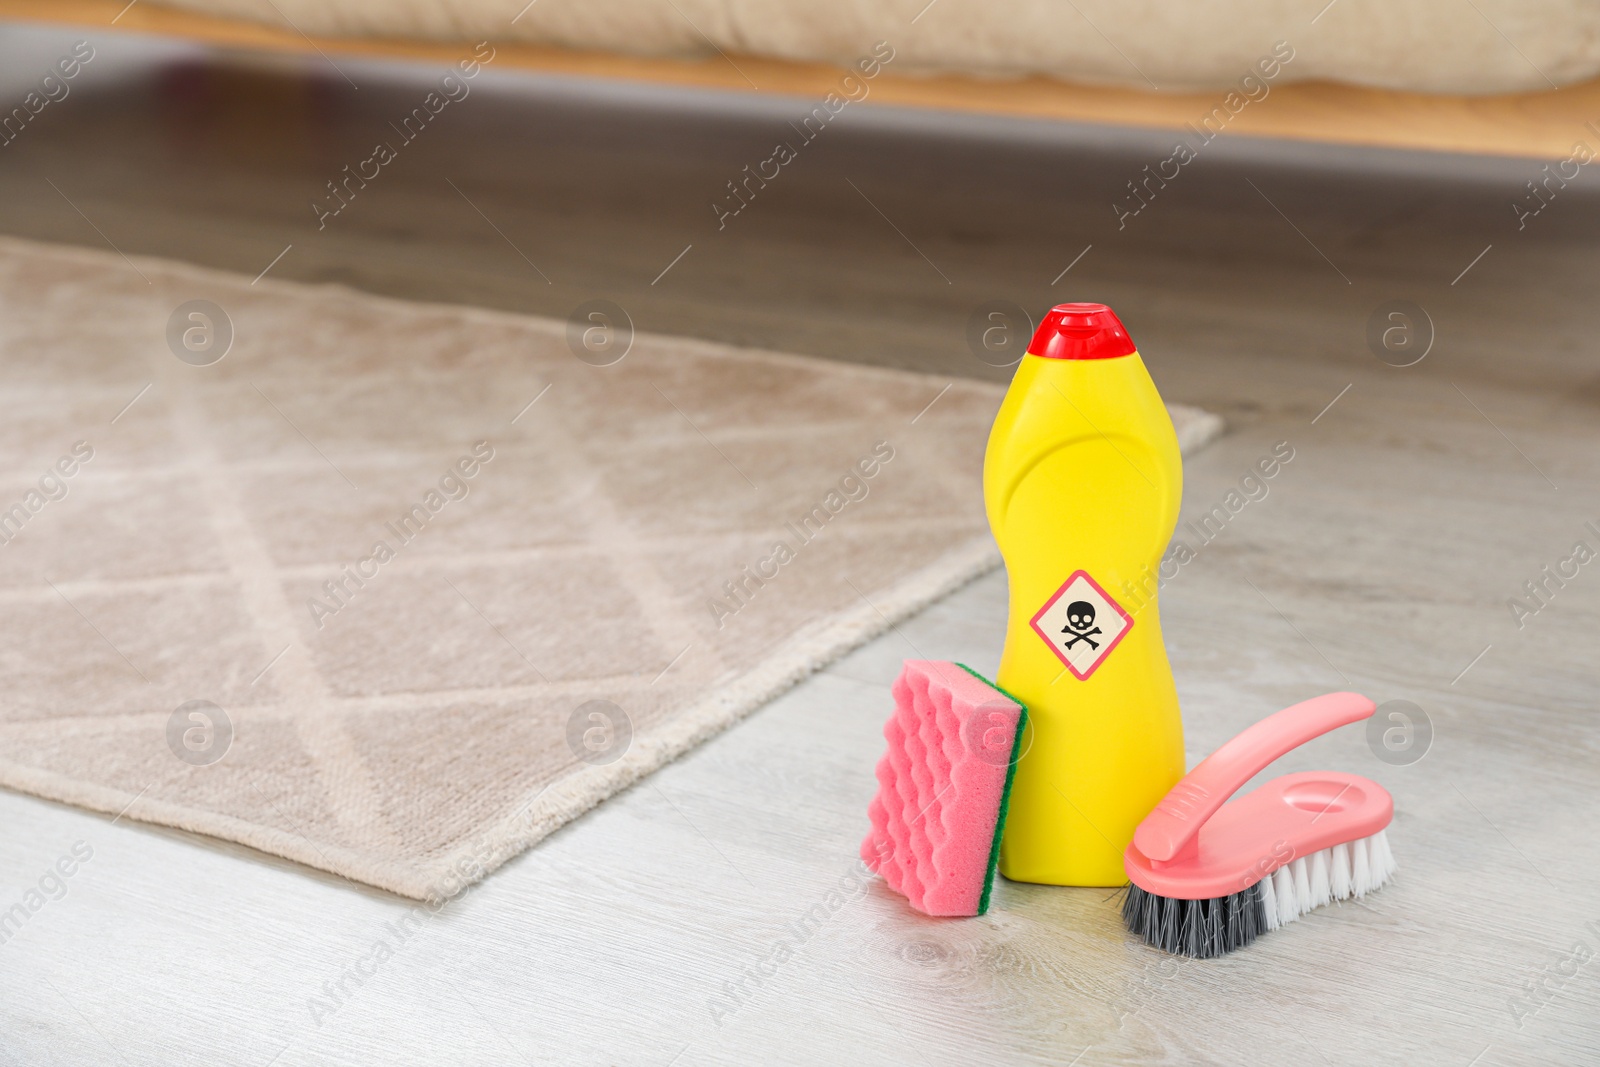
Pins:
x: 1082, y: 483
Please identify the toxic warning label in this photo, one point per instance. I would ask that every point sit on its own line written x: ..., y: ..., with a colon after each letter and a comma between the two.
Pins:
x: 1082, y: 624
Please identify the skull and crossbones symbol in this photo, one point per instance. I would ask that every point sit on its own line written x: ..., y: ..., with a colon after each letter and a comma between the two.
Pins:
x: 1080, y: 624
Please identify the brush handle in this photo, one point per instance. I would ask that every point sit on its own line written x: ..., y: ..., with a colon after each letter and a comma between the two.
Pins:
x: 1169, y: 831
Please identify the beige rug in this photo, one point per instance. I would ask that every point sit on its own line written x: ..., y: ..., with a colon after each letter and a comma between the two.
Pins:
x: 437, y: 585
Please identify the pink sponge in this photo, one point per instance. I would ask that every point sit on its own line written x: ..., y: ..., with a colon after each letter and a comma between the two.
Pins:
x: 943, y: 787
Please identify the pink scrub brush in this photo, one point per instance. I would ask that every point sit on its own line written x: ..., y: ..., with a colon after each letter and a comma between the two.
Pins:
x: 943, y: 785
x: 1207, y: 877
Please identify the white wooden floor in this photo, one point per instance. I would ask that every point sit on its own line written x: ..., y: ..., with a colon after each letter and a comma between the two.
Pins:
x: 1381, y: 560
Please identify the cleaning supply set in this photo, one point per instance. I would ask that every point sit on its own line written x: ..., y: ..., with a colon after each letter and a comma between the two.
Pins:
x: 1069, y: 769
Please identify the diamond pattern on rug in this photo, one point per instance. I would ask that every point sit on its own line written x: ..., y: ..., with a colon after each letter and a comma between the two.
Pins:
x: 402, y: 553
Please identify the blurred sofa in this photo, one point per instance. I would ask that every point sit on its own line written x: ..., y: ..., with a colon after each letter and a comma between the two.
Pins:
x: 1442, y: 46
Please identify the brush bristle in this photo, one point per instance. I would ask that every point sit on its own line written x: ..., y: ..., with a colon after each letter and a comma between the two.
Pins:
x: 1205, y: 929
x: 1202, y: 929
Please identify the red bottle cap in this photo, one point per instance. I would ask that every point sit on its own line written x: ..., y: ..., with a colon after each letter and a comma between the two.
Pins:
x: 1081, y: 331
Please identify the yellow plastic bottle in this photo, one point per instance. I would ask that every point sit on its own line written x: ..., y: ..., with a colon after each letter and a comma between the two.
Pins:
x: 1082, y: 481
